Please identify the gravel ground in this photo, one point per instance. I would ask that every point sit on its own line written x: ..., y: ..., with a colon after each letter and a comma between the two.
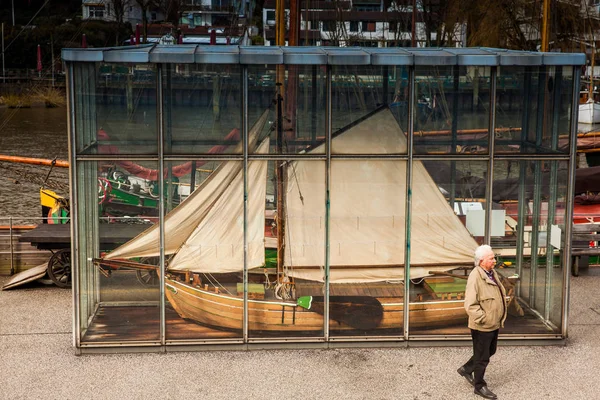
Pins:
x: 38, y: 361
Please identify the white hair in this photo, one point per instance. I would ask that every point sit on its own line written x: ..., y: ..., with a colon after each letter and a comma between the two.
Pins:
x: 481, y: 251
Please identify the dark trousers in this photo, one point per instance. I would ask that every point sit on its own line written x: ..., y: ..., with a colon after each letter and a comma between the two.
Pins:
x: 484, y: 346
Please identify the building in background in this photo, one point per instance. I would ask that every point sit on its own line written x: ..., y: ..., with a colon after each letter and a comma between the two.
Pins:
x: 365, y: 23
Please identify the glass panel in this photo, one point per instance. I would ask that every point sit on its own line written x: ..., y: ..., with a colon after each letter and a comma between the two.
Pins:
x: 262, y: 97
x: 531, y: 194
x: 286, y: 297
x: 533, y: 110
x: 119, y: 301
x: 301, y: 105
x: 561, y: 113
x: 452, y: 109
x: 435, y: 104
x: 367, y: 246
x: 359, y: 97
x: 204, y: 250
x: 120, y: 108
x: 517, y: 95
x: 305, y: 84
x: 398, y: 86
x: 556, y: 235
x: 202, y: 109
x: 447, y: 224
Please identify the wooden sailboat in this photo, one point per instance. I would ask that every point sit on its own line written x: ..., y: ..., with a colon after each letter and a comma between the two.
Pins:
x: 203, y: 243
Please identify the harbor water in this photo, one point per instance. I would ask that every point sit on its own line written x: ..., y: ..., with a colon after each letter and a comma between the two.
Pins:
x: 31, y: 132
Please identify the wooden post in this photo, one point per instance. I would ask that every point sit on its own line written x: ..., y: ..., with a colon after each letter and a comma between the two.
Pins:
x: 545, y: 26
x: 196, y: 281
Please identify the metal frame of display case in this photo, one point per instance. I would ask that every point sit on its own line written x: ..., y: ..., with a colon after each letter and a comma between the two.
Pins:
x: 329, y: 57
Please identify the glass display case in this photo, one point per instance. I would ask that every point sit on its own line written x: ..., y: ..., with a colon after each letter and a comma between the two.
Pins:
x: 286, y: 196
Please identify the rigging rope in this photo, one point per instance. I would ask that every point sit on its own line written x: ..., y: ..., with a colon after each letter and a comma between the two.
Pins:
x: 215, y: 282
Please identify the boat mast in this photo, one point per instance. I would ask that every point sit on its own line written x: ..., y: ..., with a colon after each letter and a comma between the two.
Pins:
x: 280, y: 166
x: 280, y: 173
x: 285, y: 126
x: 545, y: 30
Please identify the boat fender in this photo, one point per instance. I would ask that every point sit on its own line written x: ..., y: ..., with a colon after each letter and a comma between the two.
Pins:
x: 305, y: 302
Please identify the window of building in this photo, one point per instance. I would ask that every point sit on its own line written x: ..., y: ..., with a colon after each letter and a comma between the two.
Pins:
x: 96, y: 11
x: 368, y: 26
x: 271, y: 15
x: 328, y: 26
x: 353, y: 26
x: 394, y: 26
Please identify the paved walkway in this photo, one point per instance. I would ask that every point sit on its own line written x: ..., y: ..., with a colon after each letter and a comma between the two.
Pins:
x: 37, y: 361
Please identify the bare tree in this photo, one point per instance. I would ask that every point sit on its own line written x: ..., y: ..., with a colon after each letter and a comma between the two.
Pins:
x: 336, y: 28
x: 145, y: 5
x: 119, y: 7
x: 172, y: 10
x: 399, y: 20
x: 516, y: 24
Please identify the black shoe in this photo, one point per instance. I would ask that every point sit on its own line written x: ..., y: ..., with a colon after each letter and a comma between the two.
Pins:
x: 463, y: 372
x: 486, y: 393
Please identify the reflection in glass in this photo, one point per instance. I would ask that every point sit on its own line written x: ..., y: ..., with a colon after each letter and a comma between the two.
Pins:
x: 435, y: 90
x: 204, y: 242
x: 117, y: 303
x: 532, y: 195
x: 447, y: 216
x: 356, y: 92
x: 516, y: 107
x: 303, y: 102
x: 533, y: 110
x: 202, y: 106
x: 452, y: 110
x: 398, y: 83
x: 300, y: 101
x: 116, y: 109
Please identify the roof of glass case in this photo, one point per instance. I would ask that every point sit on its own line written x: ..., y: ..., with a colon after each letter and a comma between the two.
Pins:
x: 203, y: 54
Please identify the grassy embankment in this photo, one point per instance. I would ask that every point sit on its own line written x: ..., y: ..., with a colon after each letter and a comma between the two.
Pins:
x: 48, y: 96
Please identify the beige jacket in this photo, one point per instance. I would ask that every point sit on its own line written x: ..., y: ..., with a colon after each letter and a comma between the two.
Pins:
x: 485, y: 302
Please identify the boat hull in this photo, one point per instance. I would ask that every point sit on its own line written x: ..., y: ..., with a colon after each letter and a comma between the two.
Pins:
x: 589, y: 113
x: 223, y: 311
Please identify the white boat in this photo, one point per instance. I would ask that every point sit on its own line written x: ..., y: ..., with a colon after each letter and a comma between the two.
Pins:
x: 589, y: 112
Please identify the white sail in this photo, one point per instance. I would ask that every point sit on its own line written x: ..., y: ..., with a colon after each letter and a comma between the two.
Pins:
x: 367, y: 229
x: 184, y: 219
x: 217, y: 243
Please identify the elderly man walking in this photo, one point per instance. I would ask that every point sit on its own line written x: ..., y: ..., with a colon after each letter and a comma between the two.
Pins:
x: 485, y: 303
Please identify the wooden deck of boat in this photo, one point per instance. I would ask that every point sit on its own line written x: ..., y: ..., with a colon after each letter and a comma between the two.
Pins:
x: 141, y: 323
